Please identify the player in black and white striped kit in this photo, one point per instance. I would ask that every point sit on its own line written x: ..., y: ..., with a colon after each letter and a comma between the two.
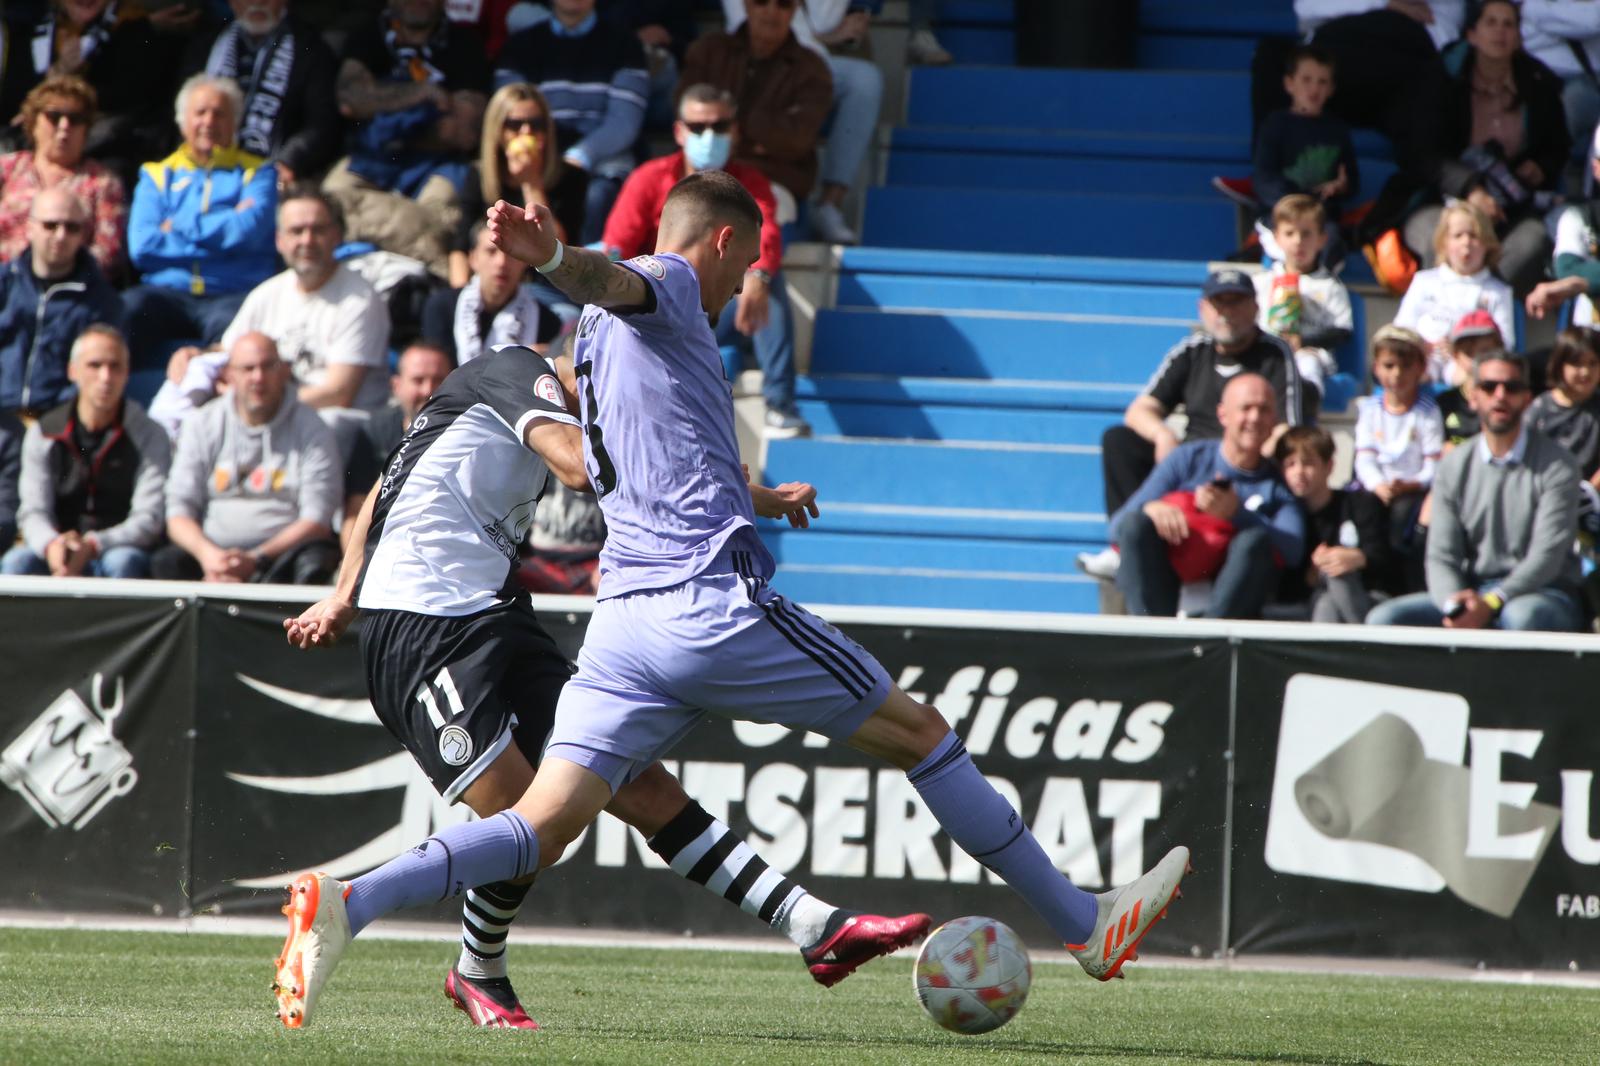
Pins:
x: 461, y: 672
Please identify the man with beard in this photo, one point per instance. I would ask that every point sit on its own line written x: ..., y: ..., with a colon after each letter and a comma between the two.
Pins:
x: 286, y: 71
x: 1505, y: 513
x: 1192, y: 376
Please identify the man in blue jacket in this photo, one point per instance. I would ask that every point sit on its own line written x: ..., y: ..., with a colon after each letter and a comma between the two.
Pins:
x: 48, y: 295
x: 1232, y: 483
x: 201, y: 230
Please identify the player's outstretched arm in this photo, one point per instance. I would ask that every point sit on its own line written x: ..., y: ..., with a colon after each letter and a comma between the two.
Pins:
x: 794, y: 500
x: 325, y: 621
x: 587, y: 277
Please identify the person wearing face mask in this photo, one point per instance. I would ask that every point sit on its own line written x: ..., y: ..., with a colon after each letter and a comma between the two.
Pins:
x: 707, y: 134
x: 286, y: 71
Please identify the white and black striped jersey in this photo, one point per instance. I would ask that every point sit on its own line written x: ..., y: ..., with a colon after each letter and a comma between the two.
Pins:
x: 459, y: 490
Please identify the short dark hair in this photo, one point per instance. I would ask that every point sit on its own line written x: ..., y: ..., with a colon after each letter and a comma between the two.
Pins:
x: 703, y: 93
x: 710, y: 196
x: 1304, y: 440
x: 1569, y: 343
x: 427, y: 345
x: 1500, y: 355
x: 307, y: 191
x: 1301, y: 53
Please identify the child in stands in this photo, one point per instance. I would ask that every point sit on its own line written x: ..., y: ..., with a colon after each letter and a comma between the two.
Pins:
x: 1463, y: 281
x: 1299, y: 299
x: 1570, y: 411
x: 1347, y: 533
x: 1473, y: 332
x: 1302, y: 150
x: 1399, y: 437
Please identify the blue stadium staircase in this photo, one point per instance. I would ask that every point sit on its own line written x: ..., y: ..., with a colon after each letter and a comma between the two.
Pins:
x: 1037, y: 247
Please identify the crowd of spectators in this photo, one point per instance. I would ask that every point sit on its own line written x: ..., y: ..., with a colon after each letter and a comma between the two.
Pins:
x: 266, y: 209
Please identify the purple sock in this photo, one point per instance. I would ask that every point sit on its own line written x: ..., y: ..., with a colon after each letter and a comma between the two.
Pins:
x: 500, y: 848
x: 981, y: 821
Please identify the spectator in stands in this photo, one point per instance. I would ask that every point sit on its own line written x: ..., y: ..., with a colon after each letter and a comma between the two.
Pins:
x: 518, y: 162
x: 1505, y: 514
x: 416, y: 86
x: 200, y: 232
x: 707, y: 133
x: 1577, y: 250
x: 1504, y: 140
x: 1399, y: 435
x: 1303, y: 150
x: 1472, y: 335
x: 665, y: 28
x: 48, y: 296
x: 1192, y: 376
x: 1347, y: 534
x: 839, y: 31
x: 130, y: 59
x: 1569, y: 411
x: 57, y: 115
x: 1467, y: 250
x: 254, y: 484
x: 94, y: 471
x: 782, y: 92
x: 327, y: 323
x: 1300, y: 300
x: 420, y: 371
x: 1213, y: 509
x: 11, y: 432
x: 1565, y: 37
x: 594, y: 77
x: 493, y: 308
x: 285, y: 71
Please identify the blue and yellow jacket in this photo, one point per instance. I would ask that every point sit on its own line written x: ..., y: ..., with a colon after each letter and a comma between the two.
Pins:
x: 221, y: 234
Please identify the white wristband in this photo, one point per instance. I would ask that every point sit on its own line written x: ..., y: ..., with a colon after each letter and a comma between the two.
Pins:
x: 555, y: 260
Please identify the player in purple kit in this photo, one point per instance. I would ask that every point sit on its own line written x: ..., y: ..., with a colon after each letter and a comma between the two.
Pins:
x: 686, y: 624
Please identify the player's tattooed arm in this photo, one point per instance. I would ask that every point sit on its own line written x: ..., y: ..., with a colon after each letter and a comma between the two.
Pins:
x: 590, y: 277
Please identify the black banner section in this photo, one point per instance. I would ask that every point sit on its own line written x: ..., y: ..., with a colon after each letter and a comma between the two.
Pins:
x: 94, y: 754
x: 1417, y: 801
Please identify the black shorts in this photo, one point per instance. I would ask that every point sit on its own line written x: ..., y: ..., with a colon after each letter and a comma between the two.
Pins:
x: 457, y: 691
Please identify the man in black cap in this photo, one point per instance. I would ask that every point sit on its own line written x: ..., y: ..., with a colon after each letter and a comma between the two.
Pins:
x: 1192, y: 376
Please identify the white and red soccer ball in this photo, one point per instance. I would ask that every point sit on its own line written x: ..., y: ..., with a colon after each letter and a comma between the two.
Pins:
x: 972, y: 975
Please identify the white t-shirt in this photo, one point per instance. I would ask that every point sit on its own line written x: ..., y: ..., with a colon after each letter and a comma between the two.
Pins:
x: 1448, y: 15
x: 1573, y: 237
x: 1392, y: 447
x: 1547, y: 26
x: 345, y: 321
x: 1437, y: 300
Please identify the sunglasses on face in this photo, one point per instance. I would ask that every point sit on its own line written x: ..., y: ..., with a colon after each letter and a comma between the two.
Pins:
x: 50, y: 225
x: 71, y: 118
x: 532, y: 124
x: 720, y: 126
x: 1511, y: 388
x: 784, y: 4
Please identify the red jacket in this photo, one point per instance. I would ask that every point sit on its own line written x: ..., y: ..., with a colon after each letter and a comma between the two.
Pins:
x: 631, y: 226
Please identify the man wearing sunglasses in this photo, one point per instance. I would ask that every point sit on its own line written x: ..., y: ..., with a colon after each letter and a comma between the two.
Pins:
x: 48, y: 295
x: 707, y: 136
x: 1505, y: 513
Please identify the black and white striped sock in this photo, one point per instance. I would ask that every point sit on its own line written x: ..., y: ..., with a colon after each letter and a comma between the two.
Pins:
x: 704, y: 850
x: 486, y: 917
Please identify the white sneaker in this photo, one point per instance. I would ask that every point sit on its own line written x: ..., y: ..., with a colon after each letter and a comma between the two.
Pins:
x: 319, y: 931
x: 781, y: 425
x: 924, y: 48
x: 1102, y: 564
x: 1126, y: 915
x: 828, y: 225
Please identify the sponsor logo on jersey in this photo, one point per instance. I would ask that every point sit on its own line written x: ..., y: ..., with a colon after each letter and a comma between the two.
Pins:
x: 653, y: 266
x: 69, y: 764
x: 455, y: 745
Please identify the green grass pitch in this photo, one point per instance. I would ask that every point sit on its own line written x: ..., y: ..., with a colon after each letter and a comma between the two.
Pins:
x: 91, y: 997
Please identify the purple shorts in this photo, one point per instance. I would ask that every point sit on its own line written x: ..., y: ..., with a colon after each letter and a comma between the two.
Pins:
x: 655, y: 662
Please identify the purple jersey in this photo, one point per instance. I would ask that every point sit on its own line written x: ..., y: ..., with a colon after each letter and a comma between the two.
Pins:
x: 659, y: 440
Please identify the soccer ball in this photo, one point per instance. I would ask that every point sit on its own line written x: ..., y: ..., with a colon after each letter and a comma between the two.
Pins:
x: 972, y: 975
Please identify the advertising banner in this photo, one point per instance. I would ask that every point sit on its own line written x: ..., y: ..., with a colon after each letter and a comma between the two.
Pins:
x: 1417, y: 801
x: 94, y: 754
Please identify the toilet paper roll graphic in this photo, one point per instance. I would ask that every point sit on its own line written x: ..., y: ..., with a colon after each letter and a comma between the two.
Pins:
x: 1379, y: 787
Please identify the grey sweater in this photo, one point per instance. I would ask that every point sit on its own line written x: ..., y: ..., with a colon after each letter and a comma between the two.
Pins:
x: 1507, y: 527
x: 36, y: 513
x: 244, y: 484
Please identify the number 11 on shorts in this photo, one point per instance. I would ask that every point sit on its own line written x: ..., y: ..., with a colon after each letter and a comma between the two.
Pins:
x: 446, y: 685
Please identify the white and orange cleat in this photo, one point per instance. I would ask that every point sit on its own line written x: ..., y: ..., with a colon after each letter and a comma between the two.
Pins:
x: 1126, y: 915
x: 319, y: 931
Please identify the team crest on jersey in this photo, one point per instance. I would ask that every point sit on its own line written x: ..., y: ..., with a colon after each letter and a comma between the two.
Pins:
x: 455, y: 745
x: 548, y: 389
x: 653, y: 266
